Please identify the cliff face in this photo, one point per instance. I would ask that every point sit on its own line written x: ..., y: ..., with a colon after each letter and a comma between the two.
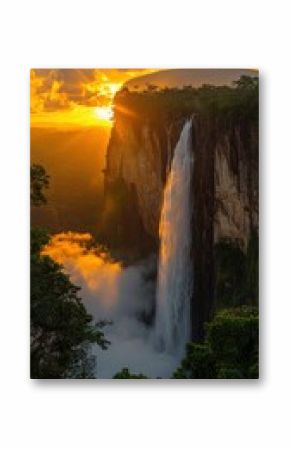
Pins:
x: 139, y: 156
x: 224, y: 191
x: 135, y: 156
x: 236, y: 183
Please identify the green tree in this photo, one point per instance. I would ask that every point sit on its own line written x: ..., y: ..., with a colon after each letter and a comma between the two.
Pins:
x: 247, y: 83
x: 230, y: 350
x: 198, y: 364
x: 39, y: 180
x: 62, y: 332
x: 233, y: 338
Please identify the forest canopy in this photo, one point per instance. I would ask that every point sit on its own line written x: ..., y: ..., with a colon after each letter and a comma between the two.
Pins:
x: 166, y: 104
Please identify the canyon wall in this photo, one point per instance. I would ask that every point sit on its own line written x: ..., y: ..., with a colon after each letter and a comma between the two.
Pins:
x: 224, y: 191
x: 139, y: 157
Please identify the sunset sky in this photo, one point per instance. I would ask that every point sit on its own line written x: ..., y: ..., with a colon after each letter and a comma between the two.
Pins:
x: 76, y: 97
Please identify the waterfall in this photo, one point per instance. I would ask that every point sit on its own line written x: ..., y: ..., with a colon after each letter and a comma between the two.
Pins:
x: 175, y: 271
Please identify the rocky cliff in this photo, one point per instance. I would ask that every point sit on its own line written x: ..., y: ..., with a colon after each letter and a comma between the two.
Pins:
x: 225, y: 178
x: 139, y: 155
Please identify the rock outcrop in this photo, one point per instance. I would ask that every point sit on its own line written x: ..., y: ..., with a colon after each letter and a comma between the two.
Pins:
x: 140, y: 156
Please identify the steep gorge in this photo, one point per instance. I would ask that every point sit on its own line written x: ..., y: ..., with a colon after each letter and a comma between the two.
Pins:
x: 225, y: 181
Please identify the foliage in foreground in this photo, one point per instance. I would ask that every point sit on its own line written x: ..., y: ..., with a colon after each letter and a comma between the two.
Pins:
x: 39, y: 180
x: 230, y: 350
x: 125, y: 374
x: 62, y: 331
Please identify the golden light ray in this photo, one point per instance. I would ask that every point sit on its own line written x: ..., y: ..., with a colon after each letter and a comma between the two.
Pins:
x: 104, y: 112
x: 78, y: 116
x: 60, y: 99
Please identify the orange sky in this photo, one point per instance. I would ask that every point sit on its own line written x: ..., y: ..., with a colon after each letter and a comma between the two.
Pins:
x: 76, y: 97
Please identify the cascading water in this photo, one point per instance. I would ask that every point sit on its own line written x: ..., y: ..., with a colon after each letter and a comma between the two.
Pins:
x: 175, y: 271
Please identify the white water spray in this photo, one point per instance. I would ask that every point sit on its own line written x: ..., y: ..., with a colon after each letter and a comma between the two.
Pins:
x: 175, y: 271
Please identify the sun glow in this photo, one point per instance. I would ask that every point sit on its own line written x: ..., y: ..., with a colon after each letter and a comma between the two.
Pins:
x: 77, y: 116
x: 104, y: 113
x: 66, y: 98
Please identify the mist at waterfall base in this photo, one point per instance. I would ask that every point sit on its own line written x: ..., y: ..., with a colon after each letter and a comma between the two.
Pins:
x: 130, y: 296
x: 125, y: 295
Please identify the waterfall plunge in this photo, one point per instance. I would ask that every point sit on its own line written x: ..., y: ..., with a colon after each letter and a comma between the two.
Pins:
x: 175, y: 271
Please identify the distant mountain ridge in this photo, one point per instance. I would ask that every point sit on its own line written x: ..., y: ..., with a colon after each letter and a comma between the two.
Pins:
x: 192, y: 77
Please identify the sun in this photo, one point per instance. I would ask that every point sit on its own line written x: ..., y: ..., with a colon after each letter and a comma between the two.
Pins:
x: 104, y: 113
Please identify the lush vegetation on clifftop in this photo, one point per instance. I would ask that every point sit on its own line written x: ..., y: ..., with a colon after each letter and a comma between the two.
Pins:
x: 165, y: 105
